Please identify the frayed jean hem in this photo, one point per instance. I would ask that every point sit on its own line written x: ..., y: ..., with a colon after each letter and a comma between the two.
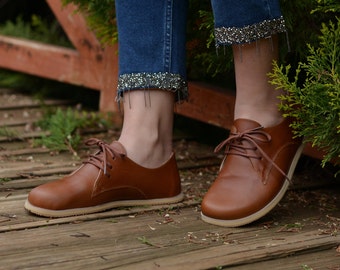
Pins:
x: 147, y: 81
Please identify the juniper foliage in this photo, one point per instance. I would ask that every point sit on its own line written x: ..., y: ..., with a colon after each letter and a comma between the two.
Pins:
x: 64, y: 128
x: 315, y: 103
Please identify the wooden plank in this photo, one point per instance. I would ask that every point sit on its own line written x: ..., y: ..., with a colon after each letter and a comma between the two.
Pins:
x: 173, y: 239
x: 26, y: 113
x: 14, y: 217
x: 322, y: 259
x: 19, y: 117
x: 36, y: 104
x: 246, y: 254
x: 11, y: 100
x: 36, y: 170
x: 18, y: 134
x: 23, y: 151
x: 53, y: 62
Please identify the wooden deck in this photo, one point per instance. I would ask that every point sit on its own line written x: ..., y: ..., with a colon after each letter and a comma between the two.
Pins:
x: 302, y: 232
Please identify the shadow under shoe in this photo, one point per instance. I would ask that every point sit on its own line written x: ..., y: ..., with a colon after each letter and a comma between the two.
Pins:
x: 254, y: 175
x: 108, y: 179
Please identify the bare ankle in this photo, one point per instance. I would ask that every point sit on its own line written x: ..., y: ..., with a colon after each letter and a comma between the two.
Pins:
x: 147, y: 130
x: 146, y: 150
x: 148, y: 157
x: 265, y: 117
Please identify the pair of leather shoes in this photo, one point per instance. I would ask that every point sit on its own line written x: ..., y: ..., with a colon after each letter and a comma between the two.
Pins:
x: 253, y: 178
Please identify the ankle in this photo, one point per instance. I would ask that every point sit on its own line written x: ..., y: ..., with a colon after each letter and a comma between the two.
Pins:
x: 148, y: 150
x: 147, y: 130
x: 265, y: 117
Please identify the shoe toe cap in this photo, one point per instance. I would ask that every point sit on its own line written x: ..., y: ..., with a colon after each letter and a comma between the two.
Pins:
x: 43, y: 198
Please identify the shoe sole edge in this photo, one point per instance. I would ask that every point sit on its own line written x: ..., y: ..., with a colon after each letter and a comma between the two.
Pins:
x: 99, y: 208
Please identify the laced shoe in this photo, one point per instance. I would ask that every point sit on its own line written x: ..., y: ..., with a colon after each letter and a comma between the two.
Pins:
x: 108, y: 179
x: 255, y: 174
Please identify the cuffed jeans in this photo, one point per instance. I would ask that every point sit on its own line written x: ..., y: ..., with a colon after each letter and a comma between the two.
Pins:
x: 151, y: 36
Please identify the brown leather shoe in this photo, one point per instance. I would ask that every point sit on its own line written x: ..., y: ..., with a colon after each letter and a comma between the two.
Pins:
x: 107, y: 180
x: 254, y: 175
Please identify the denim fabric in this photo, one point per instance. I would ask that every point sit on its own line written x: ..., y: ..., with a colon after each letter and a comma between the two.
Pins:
x: 151, y: 36
x: 233, y: 13
x: 239, y: 22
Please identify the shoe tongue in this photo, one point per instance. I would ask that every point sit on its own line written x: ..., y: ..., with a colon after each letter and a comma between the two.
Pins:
x: 241, y: 125
x: 117, y: 146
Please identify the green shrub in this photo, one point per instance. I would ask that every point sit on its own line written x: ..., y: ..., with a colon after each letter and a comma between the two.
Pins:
x: 64, y: 128
x: 315, y: 103
x: 100, y: 17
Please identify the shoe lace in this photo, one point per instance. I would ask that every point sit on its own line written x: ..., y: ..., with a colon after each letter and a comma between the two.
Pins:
x: 234, y: 146
x: 99, y: 159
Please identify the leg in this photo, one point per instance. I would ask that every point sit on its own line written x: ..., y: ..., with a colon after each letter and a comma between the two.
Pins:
x: 256, y: 99
x: 261, y: 154
x: 139, y: 168
x: 151, y: 57
x: 255, y: 46
x: 147, y: 130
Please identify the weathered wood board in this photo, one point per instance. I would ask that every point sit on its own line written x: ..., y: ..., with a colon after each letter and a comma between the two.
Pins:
x: 302, y: 232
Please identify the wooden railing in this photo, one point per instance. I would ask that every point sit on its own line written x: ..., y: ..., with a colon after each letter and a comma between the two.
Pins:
x: 88, y: 64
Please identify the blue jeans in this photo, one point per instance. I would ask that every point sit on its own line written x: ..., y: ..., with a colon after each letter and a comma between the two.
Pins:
x: 152, y: 36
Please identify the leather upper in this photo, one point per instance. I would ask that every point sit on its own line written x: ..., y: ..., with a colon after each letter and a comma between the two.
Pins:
x: 254, y: 169
x: 109, y: 175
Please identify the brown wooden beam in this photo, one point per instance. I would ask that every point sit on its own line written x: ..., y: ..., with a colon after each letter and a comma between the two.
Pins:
x: 90, y: 64
x: 48, y: 61
x: 209, y: 104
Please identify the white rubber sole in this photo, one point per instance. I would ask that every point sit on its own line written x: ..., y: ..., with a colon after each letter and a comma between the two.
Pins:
x: 263, y: 211
x: 99, y: 208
